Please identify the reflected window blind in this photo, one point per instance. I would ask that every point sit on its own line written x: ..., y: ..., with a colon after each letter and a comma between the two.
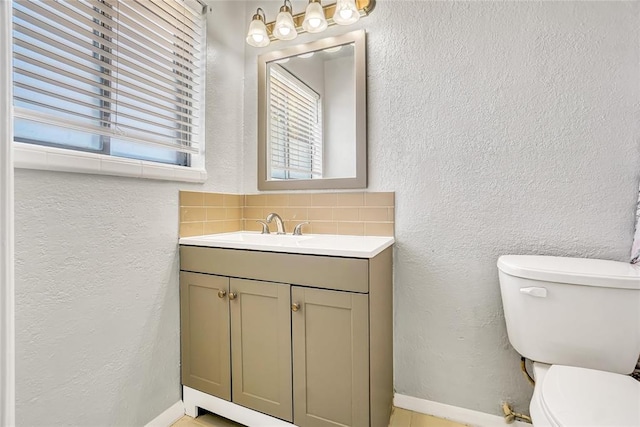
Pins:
x: 295, y: 127
x: 97, y: 75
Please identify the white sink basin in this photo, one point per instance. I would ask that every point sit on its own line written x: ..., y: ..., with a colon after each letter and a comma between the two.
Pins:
x: 314, y: 244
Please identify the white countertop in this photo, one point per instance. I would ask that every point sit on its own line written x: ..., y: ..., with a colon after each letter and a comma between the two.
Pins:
x: 311, y: 244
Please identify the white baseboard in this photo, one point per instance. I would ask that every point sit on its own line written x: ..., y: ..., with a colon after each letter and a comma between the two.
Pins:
x: 194, y: 399
x: 168, y: 417
x: 453, y: 413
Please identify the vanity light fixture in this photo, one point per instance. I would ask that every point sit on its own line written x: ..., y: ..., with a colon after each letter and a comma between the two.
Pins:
x: 346, y: 12
x: 315, y: 19
x: 258, y: 35
x: 285, y: 29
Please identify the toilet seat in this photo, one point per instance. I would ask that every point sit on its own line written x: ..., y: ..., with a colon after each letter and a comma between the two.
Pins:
x: 571, y: 396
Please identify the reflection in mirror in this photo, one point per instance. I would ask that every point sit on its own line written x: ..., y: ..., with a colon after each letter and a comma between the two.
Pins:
x: 312, y: 115
x: 312, y: 121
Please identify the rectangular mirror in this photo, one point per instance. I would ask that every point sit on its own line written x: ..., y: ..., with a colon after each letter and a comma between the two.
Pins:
x: 312, y: 115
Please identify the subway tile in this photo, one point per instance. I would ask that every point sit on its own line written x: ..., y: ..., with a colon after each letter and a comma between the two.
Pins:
x: 379, y: 199
x: 213, y: 227
x: 350, y: 199
x: 324, y: 214
x: 300, y: 199
x: 295, y: 214
x: 213, y: 199
x: 255, y: 200
x: 351, y: 228
x: 378, y: 229
x: 346, y: 214
x: 191, y: 198
x: 277, y: 200
x: 190, y: 214
x: 374, y: 214
x: 232, y: 225
x: 216, y: 214
x: 233, y: 213
x: 291, y: 225
x: 188, y: 229
x: 251, y: 225
x: 271, y: 209
x: 232, y: 200
x: 254, y: 213
x: 324, y: 199
x: 324, y: 227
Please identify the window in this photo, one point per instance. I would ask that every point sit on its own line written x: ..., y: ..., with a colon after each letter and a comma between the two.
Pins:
x: 295, y: 127
x: 119, y: 78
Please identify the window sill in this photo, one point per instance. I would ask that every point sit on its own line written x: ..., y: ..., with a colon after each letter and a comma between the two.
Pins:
x: 28, y: 156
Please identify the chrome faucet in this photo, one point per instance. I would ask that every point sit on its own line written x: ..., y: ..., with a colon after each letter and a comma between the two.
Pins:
x: 279, y: 223
x: 298, y: 230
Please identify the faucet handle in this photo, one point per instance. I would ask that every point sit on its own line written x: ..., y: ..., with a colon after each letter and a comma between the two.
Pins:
x: 297, y: 231
x: 265, y: 226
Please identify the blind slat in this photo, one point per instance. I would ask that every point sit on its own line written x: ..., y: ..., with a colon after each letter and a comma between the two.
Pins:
x: 99, y: 130
x: 107, y: 99
x: 295, y: 122
x: 167, y: 81
x: 150, y: 16
x: 132, y: 49
x: 295, y: 127
x: 125, y: 69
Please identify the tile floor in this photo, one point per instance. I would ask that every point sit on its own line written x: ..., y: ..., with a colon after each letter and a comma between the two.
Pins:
x: 399, y: 418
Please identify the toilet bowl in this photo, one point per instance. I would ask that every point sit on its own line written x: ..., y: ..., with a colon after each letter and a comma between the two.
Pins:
x: 579, y: 321
x: 571, y: 396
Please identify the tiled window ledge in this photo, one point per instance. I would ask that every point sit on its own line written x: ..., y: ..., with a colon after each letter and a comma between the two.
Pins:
x: 28, y: 156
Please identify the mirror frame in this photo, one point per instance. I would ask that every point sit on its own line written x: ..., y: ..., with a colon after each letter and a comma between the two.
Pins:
x: 360, y: 62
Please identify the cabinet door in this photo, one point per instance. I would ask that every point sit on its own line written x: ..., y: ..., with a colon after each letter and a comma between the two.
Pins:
x: 261, y: 346
x: 330, y: 358
x: 204, y: 318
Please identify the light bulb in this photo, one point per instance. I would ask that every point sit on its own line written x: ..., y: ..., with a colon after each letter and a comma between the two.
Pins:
x: 285, y: 29
x: 314, y: 19
x: 257, y: 35
x: 346, y: 12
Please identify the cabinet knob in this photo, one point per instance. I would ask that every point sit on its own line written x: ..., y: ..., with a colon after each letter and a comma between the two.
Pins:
x: 222, y: 293
x: 295, y: 306
x: 232, y: 295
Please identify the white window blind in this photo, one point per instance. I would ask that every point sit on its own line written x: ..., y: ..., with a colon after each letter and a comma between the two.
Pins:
x: 117, y: 77
x: 295, y: 127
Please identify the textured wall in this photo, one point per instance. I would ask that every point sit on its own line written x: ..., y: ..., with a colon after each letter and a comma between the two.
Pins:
x: 97, y: 312
x: 503, y: 127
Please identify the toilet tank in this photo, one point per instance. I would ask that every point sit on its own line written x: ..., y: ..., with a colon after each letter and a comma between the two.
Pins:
x: 572, y: 311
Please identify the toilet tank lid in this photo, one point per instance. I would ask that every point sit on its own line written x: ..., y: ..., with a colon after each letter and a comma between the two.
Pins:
x: 579, y: 271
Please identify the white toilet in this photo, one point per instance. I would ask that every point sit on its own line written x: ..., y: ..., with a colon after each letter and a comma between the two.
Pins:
x: 579, y: 321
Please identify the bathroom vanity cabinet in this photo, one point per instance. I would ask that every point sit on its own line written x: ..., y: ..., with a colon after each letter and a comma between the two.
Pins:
x: 302, y: 338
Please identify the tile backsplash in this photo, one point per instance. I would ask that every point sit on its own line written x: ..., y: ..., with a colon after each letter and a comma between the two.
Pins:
x: 358, y: 213
x: 209, y: 213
